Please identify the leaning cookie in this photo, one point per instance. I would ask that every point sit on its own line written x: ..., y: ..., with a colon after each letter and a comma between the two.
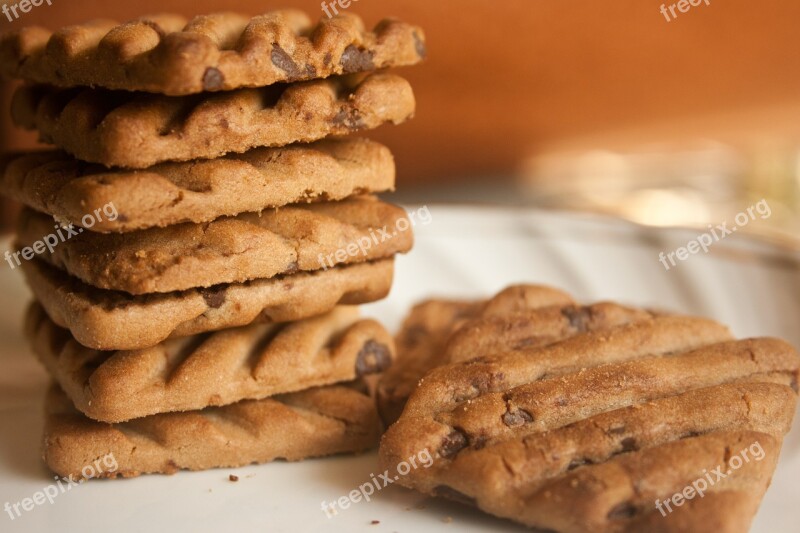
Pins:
x: 313, y: 423
x: 119, y: 201
x: 422, y: 341
x: 590, y: 433
x: 247, y: 363
x: 218, y: 52
x: 135, y: 130
x: 251, y: 246
x: 109, y: 320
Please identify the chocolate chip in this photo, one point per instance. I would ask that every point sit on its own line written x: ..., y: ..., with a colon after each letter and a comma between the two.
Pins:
x: 311, y: 72
x: 453, y: 443
x: 373, y: 358
x: 349, y: 118
x: 622, y: 511
x: 292, y: 268
x: 793, y: 383
x: 233, y: 477
x: 617, y: 430
x: 450, y: 493
x: 214, y: 297
x: 422, y: 49
x: 575, y: 463
x: 517, y: 417
x: 213, y: 79
x: 628, y: 444
x: 415, y: 335
x: 355, y: 59
x: 578, y: 317
x: 327, y: 59
x: 122, y: 218
x: 481, y: 383
x: 284, y: 61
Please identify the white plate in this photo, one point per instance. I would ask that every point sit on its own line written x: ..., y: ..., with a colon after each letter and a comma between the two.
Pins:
x: 465, y: 252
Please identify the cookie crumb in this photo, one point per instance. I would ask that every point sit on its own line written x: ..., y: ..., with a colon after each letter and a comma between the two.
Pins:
x: 233, y: 478
x: 375, y: 522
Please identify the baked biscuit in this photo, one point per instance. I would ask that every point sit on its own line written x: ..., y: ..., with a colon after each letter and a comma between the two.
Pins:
x: 213, y: 369
x: 217, y: 52
x: 52, y: 182
x: 250, y: 246
x: 498, y: 333
x: 588, y: 434
x: 420, y: 347
x: 110, y: 320
x: 313, y: 423
x: 422, y: 341
x: 138, y: 130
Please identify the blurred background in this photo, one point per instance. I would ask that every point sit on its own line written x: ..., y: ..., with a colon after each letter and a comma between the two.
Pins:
x: 600, y: 106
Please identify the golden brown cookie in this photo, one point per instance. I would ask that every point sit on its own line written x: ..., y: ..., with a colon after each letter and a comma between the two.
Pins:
x: 217, y: 52
x: 109, y: 320
x: 211, y: 369
x: 53, y: 182
x: 590, y: 433
x: 422, y: 341
x: 137, y: 130
x: 420, y: 347
x: 497, y: 333
x: 251, y: 246
x: 312, y: 423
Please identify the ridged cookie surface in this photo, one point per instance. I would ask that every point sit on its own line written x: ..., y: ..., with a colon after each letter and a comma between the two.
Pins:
x: 312, y: 423
x: 422, y: 341
x: 110, y: 320
x: 217, y: 52
x: 55, y: 183
x: 213, y: 369
x: 251, y: 246
x: 137, y: 130
x: 588, y: 433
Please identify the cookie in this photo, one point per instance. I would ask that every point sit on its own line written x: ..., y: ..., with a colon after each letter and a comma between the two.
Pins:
x: 109, y: 320
x: 589, y: 433
x: 138, y: 130
x: 313, y: 423
x: 420, y: 347
x: 250, y: 246
x: 217, y: 52
x: 212, y: 369
x: 498, y: 333
x: 52, y: 182
x: 422, y: 341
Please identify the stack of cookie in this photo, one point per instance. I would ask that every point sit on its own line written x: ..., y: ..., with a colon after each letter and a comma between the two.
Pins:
x: 196, y: 245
